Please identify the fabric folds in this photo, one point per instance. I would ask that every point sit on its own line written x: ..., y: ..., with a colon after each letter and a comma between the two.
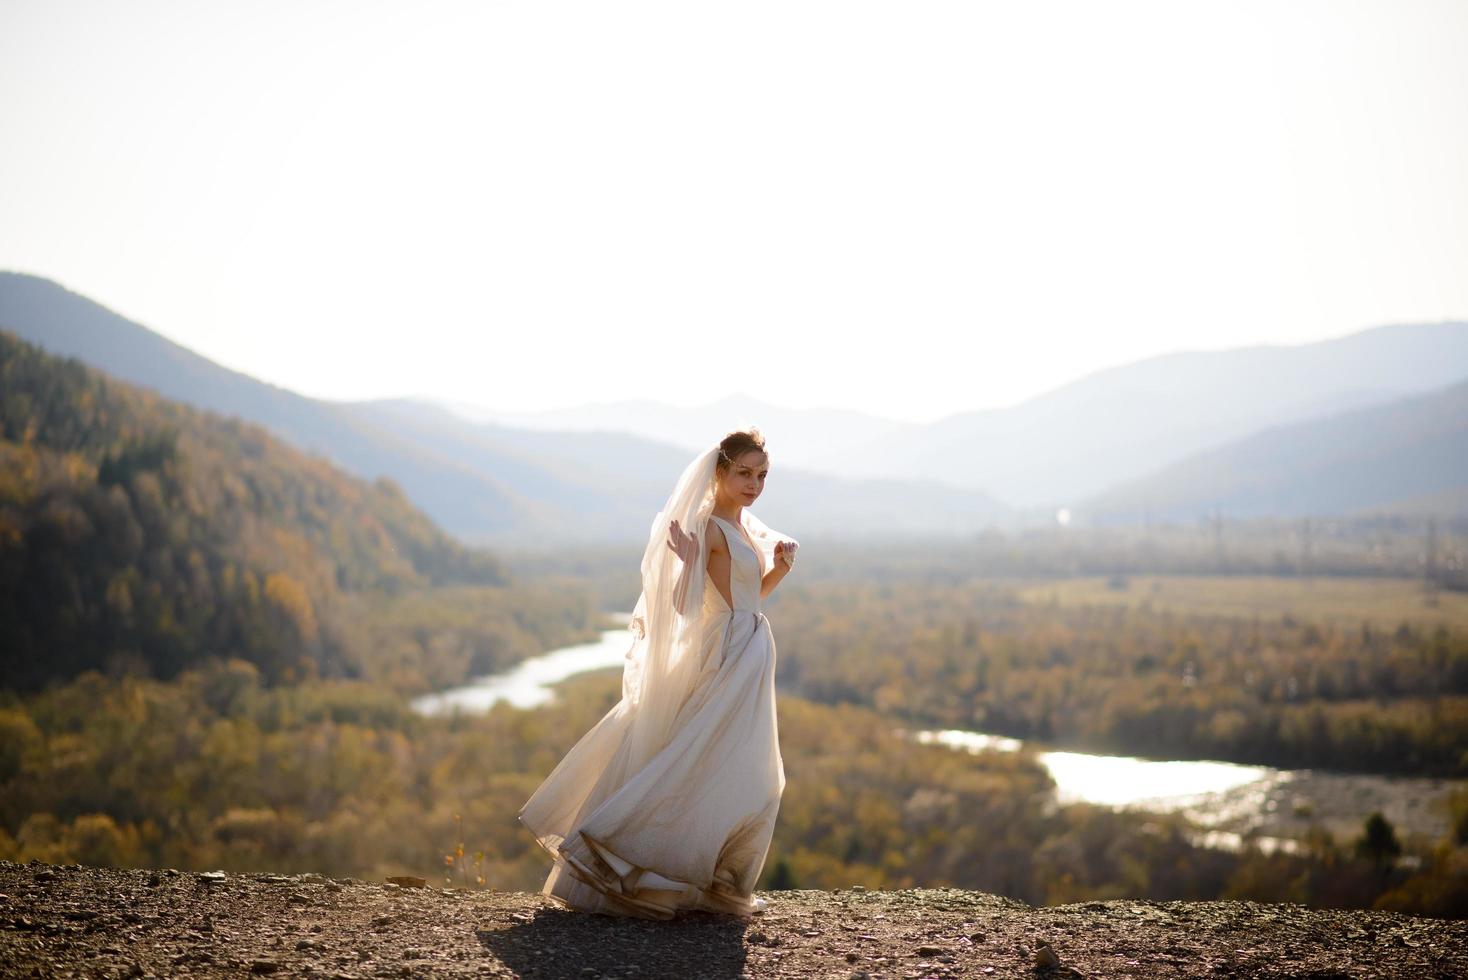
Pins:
x: 669, y: 802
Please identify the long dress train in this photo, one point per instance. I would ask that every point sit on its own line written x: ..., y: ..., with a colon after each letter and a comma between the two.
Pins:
x: 690, y: 829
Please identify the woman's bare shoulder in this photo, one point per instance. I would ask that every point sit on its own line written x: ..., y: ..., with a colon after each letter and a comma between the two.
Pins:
x: 717, y: 541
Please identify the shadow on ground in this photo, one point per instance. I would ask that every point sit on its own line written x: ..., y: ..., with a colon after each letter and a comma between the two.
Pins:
x: 558, y: 943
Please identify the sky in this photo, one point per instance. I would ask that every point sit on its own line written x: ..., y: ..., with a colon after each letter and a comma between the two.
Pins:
x: 909, y: 209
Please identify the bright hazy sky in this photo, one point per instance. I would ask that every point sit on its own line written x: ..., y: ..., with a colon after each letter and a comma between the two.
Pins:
x: 911, y: 208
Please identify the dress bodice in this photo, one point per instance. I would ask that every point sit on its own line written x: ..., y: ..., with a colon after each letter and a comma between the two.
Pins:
x: 746, y: 571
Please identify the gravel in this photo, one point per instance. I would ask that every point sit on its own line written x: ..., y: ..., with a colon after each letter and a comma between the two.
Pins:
x: 75, y: 921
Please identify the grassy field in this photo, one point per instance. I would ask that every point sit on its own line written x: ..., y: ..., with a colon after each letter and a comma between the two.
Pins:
x: 1383, y: 601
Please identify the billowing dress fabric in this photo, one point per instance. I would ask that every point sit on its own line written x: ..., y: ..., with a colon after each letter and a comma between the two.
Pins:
x: 691, y: 828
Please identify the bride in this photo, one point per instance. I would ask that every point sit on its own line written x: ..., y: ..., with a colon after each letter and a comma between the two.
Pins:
x: 669, y: 801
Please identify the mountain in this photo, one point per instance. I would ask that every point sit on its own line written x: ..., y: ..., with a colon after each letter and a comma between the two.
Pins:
x: 804, y: 438
x: 1109, y: 427
x: 482, y: 482
x: 135, y: 529
x: 601, y: 479
x: 1120, y: 423
x: 1408, y: 456
x: 472, y: 502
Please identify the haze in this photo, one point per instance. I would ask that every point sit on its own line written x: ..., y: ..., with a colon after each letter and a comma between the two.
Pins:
x: 909, y: 209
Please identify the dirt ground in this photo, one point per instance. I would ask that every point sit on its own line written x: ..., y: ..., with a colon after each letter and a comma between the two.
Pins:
x: 99, y: 922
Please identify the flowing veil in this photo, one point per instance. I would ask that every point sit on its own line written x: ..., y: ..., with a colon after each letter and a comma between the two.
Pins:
x: 659, y: 673
x: 662, y: 663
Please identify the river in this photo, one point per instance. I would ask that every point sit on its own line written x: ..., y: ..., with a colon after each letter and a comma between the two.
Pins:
x: 1229, y: 803
x: 531, y: 683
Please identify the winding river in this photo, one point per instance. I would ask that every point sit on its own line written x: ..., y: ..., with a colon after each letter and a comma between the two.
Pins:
x: 1229, y: 803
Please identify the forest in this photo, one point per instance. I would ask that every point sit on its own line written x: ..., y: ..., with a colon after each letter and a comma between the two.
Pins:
x: 1284, y: 691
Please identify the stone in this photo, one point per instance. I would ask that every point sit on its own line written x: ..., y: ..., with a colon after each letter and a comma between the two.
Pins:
x: 407, y: 881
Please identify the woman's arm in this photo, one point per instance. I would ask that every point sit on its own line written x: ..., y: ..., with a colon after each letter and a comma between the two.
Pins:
x: 773, y: 578
x: 718, y: 565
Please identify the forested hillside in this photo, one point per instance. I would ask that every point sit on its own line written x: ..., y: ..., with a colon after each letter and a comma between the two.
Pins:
x: 140, y: 534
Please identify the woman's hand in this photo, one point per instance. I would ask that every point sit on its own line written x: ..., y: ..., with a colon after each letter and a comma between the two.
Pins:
x: 682, y: 544
x: 785, y: 552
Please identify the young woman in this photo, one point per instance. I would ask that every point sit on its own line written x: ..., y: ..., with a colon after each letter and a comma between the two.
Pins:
x: 669, y: 801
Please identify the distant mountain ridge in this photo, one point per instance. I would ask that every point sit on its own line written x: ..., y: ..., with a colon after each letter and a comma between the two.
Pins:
x: 1109, y: 427
x: 536, y: 487
x: 805, y: 438
x: 1406, y: 457
x: 63, y: 322
x: 1121, y: 423
x: 484, y: 483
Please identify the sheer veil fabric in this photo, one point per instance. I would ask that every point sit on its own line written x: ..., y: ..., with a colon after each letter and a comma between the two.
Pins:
x: 669, y: 801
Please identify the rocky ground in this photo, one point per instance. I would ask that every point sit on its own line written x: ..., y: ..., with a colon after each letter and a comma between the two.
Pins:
x: 99, y: 922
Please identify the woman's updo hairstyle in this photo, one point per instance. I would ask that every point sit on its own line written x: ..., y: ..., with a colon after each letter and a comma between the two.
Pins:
x: 736, y: 444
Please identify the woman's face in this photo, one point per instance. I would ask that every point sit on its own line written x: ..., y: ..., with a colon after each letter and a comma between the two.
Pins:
x: 745, y: 478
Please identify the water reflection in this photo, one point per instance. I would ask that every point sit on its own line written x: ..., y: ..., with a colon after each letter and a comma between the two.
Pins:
x: 1229, y: 801
x: 1115, y: 780
x: 530, y: 684
x: 1233, y: 805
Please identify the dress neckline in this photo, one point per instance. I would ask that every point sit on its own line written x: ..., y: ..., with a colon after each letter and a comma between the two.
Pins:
x: 747, y: 539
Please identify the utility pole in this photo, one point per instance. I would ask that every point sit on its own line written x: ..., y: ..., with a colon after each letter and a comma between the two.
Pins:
x: 1429, y: 566
x: 1305, y: 547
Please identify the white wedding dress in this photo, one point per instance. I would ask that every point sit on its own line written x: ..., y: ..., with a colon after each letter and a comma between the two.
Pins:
x: 690, y: 829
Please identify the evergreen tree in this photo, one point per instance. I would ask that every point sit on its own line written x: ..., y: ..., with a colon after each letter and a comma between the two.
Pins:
x: 1378, y: 843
